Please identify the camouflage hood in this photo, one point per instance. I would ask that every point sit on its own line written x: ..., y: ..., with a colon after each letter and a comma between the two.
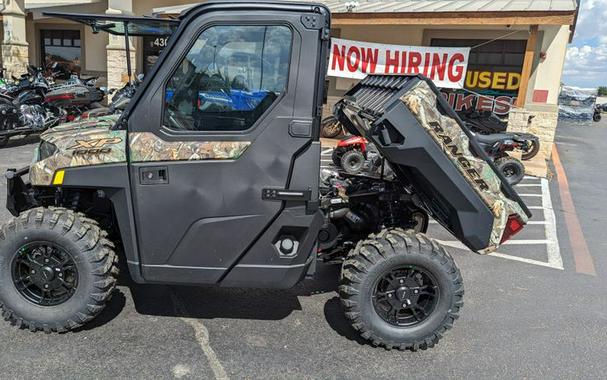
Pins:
x: 65, y: 132
x: 83, y: 143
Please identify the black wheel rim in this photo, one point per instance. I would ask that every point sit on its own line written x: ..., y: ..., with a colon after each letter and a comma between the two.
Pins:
x: 405, y: 297
x: 331, y: 128
x: 510, y: 171
x: 354, y: 163
x: 44, y: 273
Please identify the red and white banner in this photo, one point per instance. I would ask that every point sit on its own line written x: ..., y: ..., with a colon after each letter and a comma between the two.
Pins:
x: 354, y: 59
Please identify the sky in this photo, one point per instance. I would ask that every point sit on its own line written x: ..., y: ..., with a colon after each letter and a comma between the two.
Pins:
x: 586, y: 62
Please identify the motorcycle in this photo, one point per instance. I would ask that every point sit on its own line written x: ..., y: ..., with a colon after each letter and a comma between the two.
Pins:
x: 26, y: 113
x: 120, y: 100
x: 33, y: 105
x: 75, y: 96
x: 497, y: 146
x: 487, y: 123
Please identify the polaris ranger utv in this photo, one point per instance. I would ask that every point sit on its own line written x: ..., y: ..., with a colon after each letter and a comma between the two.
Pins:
x: 211, y: 176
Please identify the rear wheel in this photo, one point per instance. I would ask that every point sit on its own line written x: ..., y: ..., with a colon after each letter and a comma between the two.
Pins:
x: 3, y: 141
x: 331, y: 127
x: 401, y: 290
x: 596, y: 117
x: 57, y: 270
x: 353, y: 161
x: 511, y: 168
x: 534, y: 148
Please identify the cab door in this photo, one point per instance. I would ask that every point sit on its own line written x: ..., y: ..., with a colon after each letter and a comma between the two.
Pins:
x: 223, y: 147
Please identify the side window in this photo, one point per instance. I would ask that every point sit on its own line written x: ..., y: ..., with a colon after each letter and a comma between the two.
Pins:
x: 229, y: 78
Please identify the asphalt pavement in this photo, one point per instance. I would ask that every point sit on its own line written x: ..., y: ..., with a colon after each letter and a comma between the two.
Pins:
x: 527, y: 314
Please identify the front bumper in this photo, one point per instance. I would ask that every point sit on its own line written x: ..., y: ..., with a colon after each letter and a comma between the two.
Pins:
x: 19, y: 195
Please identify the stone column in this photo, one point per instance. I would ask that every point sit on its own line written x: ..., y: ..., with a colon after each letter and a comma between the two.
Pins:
x: 116, y: 54
x: 14, y: 43
x: 540, y: 122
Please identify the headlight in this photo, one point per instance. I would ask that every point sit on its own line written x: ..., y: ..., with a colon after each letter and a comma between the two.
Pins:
x: 45, y: 150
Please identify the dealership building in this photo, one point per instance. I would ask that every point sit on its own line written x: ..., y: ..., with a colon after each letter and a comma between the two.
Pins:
x: 514, y: 68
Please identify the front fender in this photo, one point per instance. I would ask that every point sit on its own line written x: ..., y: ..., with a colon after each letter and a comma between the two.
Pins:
x: 19, y: 194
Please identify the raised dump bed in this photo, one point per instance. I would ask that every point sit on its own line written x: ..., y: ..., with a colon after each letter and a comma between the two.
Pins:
x: 431, y: 150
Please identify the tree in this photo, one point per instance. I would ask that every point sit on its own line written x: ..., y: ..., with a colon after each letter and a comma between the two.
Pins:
x: 602, y: 91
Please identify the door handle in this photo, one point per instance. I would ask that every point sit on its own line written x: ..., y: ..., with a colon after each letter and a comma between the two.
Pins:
x: 156, y: 175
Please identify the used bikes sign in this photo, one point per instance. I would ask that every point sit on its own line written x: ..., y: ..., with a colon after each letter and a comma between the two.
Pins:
x: 354, y: 59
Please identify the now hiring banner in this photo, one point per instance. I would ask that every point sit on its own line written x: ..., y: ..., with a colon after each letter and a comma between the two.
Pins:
x: 354, y: 59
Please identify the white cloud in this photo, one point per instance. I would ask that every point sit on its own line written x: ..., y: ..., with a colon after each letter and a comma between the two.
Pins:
x: 586, y: 62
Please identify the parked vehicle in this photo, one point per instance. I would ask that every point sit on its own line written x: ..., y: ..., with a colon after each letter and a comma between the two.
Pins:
x: 26, y: 113
x: 350, y: 153
x: 487, y: 123
x: 33, y: 105
x: 254, y: 214
x: 120, y: 100
x: 75, y: 97
x: 497, y: 147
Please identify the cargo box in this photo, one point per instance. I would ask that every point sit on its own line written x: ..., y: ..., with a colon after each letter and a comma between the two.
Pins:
x: 435, y: 155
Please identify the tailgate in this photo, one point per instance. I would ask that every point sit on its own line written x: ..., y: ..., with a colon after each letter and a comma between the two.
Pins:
x: 432, y: 152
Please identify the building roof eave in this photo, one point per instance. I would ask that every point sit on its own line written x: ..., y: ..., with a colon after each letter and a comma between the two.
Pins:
x: 456, y: 18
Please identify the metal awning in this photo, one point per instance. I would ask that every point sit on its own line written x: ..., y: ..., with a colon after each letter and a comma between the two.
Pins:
x: 423, y: 6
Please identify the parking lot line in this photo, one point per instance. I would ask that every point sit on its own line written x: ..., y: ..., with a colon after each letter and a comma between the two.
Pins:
x: 459, y: 245
x: 529, y: 195
x: 554, y: 252
x: 526, y: 242
x: 202, y: 337
x: 528, y: 185
x: 554, y: 259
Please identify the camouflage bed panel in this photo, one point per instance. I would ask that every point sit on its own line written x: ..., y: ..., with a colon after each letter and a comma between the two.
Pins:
x: 145, y: 147
x: 447, y: 133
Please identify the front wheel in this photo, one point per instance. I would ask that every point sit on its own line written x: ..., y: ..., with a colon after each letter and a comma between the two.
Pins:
x: 596, y: 117
x: 401, y: 290
x: 353, y: 161
x: 57, y: 270
x: 3, y: 141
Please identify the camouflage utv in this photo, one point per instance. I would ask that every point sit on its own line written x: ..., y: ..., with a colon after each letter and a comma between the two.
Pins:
x: 211, y: 177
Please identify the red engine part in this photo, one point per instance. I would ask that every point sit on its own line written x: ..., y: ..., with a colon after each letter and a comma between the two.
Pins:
x: 354, y: 141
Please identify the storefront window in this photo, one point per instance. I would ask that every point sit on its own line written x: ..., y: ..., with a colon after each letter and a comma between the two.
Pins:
x: 152, y: 47
x: 64, y: 48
